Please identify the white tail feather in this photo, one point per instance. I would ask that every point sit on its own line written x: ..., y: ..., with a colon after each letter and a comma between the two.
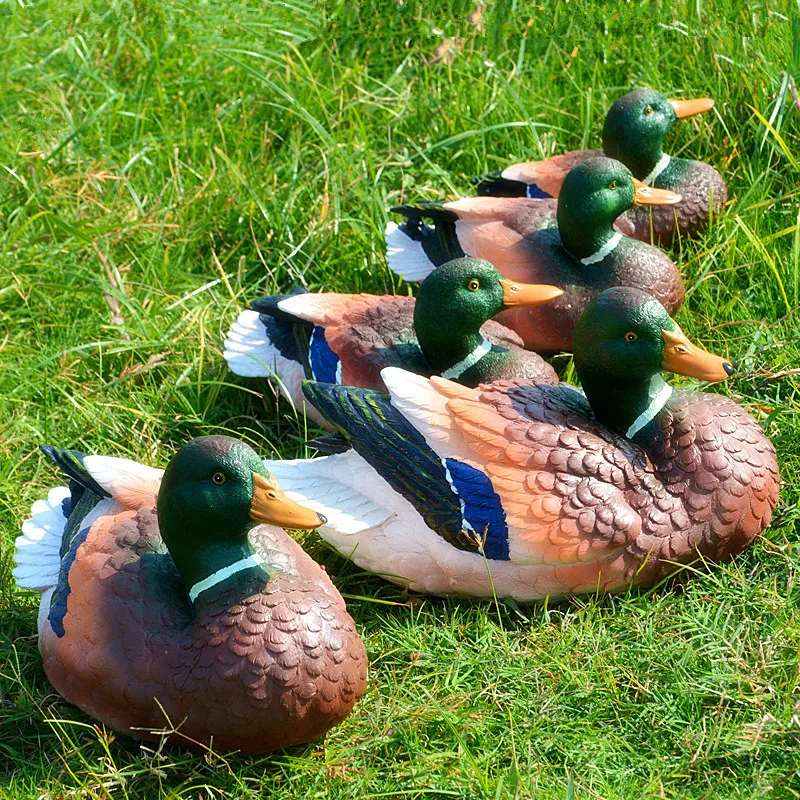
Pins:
x: 37, y: 553
x: 250, y: 353
x: 248, y: 349
x: 406, y: 256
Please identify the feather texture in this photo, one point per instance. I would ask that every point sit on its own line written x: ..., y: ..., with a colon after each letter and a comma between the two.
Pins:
x: 584, y: 509
x: 37, y: 555
x: 251, y: 667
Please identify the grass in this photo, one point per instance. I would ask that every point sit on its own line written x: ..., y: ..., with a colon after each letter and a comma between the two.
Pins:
x: 163, y: 162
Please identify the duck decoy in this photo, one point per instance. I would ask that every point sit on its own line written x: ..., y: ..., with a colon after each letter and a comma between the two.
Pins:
x: 172, y: 604
x: 528, y: 491
x: 634, y: 131
x: 570, y: 243
x: 350, y: 338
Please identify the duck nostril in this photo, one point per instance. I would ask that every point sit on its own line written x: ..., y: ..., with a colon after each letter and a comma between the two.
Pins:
x: 728, y: 367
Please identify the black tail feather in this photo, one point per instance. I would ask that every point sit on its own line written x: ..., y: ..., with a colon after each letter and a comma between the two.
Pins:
x: 70, y: 462
x: 288, y: 334
x: 269, y: 305
x: 440, y: 240
x: 425, y: 209
x: 494, y: 184
x: 85, y: 491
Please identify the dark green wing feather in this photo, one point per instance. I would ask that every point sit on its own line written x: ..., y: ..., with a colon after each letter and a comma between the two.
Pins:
x: 397, y: 451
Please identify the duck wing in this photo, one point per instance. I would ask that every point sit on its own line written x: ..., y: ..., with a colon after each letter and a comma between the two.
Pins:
x: 455, y: 500
x: 542, y: 177
x: 498, y: 229
x: 572, y: 491
x: 364, y: 333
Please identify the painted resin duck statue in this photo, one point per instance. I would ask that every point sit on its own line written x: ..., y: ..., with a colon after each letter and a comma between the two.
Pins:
x: 534, y: 491
x: 350, y: 338
x: 570, y: 243
x: 634, y: 131
x: 170, y: 601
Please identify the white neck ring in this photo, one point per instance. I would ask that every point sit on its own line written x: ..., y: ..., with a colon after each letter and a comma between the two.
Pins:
x: 457, y: 370
x: 650, y: 413
x: 223, y: 574
x: 662, y: 164
x: 609, y: 247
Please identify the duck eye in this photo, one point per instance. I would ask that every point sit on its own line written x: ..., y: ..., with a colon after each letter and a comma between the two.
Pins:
x: 630, y: 336
x: 473, y: 285
x: 612, y: 185
x: 648, y: 110
x: 218, y: 478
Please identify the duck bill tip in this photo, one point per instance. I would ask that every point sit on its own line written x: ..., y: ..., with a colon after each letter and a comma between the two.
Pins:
x: 645, y: 195
x: 691, y: 108
x: 682, y: 357
x: 528, y: 294
x: 271, y: 506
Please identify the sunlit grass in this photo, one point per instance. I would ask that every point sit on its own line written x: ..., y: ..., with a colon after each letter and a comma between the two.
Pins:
x: 162, y: 163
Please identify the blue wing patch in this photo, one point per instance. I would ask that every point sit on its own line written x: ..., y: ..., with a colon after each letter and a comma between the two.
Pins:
x: 325, y: 364
x: 456, y: 501
x: 535, y: 193
x: 481, y: 510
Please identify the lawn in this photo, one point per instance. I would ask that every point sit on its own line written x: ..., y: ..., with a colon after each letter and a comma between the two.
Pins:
x: 164, y: 162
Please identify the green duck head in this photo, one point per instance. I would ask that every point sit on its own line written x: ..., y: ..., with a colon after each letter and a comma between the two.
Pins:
x: 457, y: 298
x: 213, y: 491
x: 623, y: 341
x: 637, y: 124
x: 593, y: 195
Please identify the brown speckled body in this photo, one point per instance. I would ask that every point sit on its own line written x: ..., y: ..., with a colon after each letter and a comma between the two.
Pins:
x: 702, y: 189
x: 370, y: 332
x: 254, y: 669
x: 704, y: 482
x: 525, y: 252
x: 697, y: 186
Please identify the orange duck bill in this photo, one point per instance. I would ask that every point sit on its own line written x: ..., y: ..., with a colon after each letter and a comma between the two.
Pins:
x: 528, y: 294
x: 691, y: 108
x: 684, y: 358
x: 648, y: 196
x: 272, y: 507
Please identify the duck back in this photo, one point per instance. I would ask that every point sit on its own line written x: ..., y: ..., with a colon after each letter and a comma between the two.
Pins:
x: 703, y: 194
x: 549, y: 328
